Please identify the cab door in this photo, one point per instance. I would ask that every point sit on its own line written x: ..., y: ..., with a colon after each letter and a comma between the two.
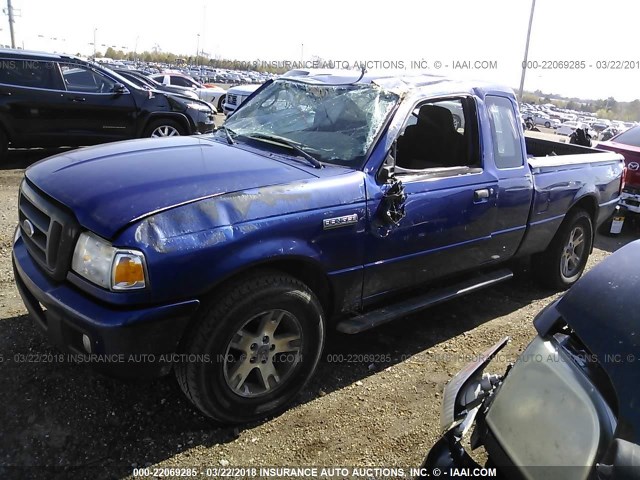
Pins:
x: 33, y: 101
x: 449, y: 209
x: 97, y: 109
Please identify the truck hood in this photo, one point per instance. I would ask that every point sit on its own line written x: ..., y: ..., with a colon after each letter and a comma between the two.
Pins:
x: 111, y: 185
x: 602, y: 308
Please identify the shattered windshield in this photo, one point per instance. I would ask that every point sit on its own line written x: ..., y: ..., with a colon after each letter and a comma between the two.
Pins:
x: 332, y: 123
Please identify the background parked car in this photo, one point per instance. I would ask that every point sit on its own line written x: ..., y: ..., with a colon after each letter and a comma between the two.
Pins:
x: 608, y: 133
x: 543, y: 119
x: 72, y: 102
x: 628, y: 144
x: 567, y: 128
x: 142, y: 80
x: 213, y: 95
x: 237, y: 95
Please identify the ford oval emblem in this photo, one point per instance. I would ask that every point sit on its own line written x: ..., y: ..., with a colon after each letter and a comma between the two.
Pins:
x: 634, y: 166
x: 28, y: 228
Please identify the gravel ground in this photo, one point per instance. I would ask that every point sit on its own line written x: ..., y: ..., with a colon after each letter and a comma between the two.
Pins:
x: 378, y: 406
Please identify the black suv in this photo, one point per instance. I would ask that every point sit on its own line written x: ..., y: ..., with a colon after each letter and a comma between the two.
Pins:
x: 49, y: 100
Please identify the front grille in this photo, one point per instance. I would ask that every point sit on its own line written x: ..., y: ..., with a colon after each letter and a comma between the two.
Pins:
x: 232, y: 99
x: 48, y: 231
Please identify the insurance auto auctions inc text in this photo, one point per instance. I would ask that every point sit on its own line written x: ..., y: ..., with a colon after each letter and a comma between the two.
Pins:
x: 421, y: 64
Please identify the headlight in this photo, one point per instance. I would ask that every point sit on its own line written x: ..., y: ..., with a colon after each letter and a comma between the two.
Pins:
x: 199, y: 106
x: 99, y: 262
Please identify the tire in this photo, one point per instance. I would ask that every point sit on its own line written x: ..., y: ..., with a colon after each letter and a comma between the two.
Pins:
x: 457, y: 122
x: 4, y: 146
x: 221, y: 102
x: 242, y: 331
x: 547, y: 124
x: 163, y: 127
x: 564, y: 260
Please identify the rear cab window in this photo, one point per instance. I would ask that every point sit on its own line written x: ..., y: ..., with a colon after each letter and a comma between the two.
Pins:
x: 505, y: 133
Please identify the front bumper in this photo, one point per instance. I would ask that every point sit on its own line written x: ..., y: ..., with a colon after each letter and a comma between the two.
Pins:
x: 630, y: 201
x: 448, y: 454
x: 205, y: 123
x: 133, y: 342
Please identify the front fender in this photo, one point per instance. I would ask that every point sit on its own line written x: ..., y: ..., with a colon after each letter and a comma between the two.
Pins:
x: 266, y: 253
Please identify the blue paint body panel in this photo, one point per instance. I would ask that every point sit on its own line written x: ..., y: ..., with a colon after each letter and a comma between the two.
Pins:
x: 202, y: 211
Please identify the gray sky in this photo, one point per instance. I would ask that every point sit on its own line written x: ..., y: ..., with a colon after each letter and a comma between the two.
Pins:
x: 348, y: 31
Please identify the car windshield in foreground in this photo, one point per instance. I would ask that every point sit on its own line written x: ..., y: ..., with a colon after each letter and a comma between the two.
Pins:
x: 332, y: 123
x: 630, y: 137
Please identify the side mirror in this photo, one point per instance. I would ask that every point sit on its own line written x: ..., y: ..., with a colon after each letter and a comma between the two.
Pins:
x: 386, y: 173
x: 388, y: 169
x: 119, y: 88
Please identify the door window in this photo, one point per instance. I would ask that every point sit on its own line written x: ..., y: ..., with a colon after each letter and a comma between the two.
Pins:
x: 28, y: 73
x: 181, y: 81
x: 78, y: 78
x: 439, y: 135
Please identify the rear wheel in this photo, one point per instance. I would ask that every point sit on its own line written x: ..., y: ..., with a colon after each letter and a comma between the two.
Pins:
x: 253, y: 349
x: 547, y: 124
x: 164, y: 128
x: 564, y: 260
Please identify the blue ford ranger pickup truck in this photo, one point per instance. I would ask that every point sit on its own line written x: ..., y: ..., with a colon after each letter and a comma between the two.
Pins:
x: 328, y: 200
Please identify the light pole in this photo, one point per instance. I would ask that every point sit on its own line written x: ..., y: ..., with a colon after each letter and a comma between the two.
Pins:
x: 95, y: 30
x: 197, y: 50
x: 526, y: 51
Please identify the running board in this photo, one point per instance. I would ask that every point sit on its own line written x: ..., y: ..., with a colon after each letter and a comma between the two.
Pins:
x: 403, y: 308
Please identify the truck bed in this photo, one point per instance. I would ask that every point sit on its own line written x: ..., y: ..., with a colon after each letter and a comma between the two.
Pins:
x: 561, y: 173
x: 548, y: 156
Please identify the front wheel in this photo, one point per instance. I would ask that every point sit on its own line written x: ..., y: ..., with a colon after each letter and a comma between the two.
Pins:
x: 547, y: 124
x: 253, y: 350
x: 564, y: 260
x: 164, y: 128
x: 221, y: 102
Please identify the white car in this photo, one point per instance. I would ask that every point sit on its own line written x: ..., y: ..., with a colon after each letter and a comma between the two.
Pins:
x: 237, y: 95
x: 213, y: 95
x: 567, y: 128
x: 540, y: 118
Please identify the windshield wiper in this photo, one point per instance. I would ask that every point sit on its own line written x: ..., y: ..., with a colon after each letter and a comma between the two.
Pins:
x: 287, y: 143
x: 228, y: 132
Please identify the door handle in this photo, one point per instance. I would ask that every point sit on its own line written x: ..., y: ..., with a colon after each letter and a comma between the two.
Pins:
x: 77, y: 99
x: 482, y: 194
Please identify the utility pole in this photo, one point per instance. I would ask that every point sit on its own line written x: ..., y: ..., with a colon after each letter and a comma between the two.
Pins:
x: 526, y: 51
x: 10, y: 14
